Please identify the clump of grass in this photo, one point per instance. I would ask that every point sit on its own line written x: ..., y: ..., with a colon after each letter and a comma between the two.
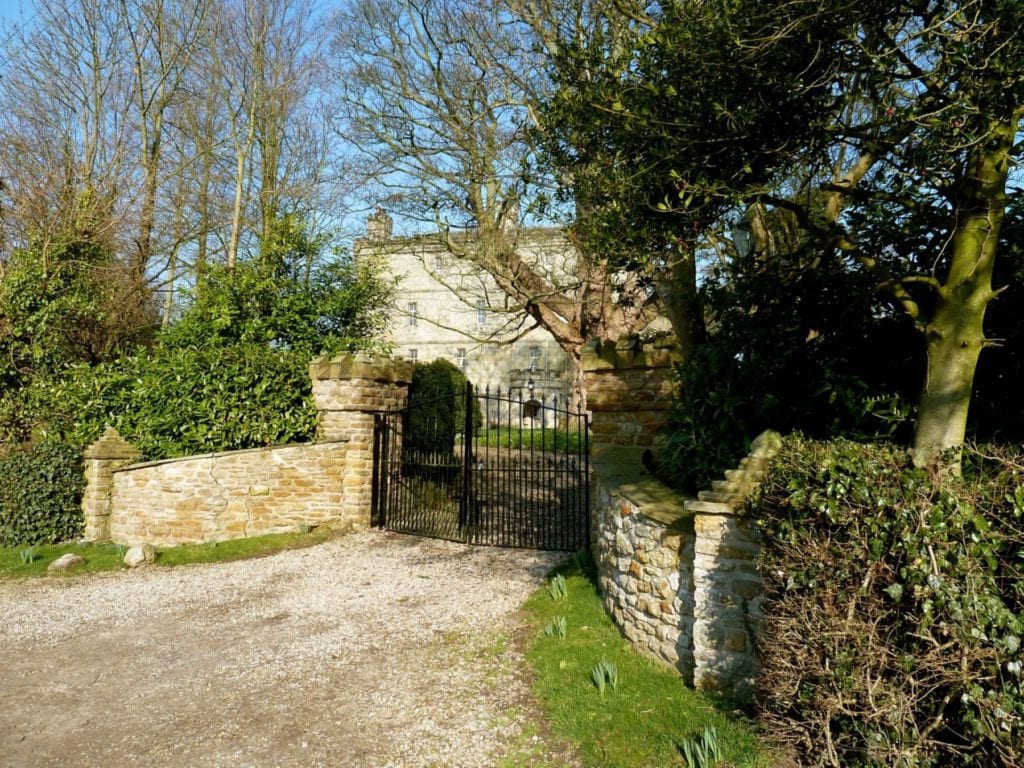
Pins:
x: 646, y: 722
x: 703, y: 752
x: 27, y: 555
x: 556, y: 587
x: 557, y: 627
x: 605, y: 674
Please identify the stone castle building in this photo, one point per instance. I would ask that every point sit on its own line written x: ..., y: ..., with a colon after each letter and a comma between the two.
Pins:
x: 447, y: 308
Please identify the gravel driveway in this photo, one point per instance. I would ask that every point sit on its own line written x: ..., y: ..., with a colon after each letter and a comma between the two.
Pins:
x: 370, y: 650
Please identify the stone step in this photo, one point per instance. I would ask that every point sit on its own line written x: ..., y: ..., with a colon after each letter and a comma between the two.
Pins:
x: 740, y: 486
x: 722, y: 498
x: 709, y: 507
x: 754, y: 463
x: 745, y: 475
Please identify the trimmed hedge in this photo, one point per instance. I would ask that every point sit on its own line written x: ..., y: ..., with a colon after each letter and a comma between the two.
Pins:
x: 437, y: 407
x: 40, y: 495
x: 176, y: 402
x: 894, y: 608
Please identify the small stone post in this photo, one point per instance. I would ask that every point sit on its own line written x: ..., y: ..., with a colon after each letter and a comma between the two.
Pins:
x: 105, y: 455
x: 349, y: 390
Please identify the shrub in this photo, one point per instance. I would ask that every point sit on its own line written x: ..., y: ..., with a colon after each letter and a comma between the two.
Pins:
x: 40, y: 495
x: 176, y: 402
x: 894, y: 608
x: 795, y: 342
x: 437, y: 407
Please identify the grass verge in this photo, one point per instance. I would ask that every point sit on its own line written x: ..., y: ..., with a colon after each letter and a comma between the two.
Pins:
x: 108, y: 557
x: 644, y: 721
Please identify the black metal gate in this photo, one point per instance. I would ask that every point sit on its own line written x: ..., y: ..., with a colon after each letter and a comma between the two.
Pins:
x: 484, y: 469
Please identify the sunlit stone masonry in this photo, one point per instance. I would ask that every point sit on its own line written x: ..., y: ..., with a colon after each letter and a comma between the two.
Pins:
x: 236, y: 494
x: 677, y: 574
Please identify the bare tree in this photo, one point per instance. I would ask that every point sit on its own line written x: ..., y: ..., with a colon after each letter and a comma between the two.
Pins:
x: 439, y: 98
x: 64, y: 129
x: 162, y: 37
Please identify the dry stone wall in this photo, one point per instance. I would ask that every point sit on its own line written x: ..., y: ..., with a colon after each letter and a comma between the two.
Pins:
x: 247, y: 493
x: 678, y: 575
x: 646, y: 577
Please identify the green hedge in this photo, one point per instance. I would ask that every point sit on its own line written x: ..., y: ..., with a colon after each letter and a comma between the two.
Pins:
x: 894, y: 608
x: 41, y: 494
x: 437, y: 407
x: 177, y: 402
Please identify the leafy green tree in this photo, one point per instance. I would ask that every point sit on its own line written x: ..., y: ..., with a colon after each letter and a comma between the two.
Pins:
x: 791, y: 346
x: 290, y: 297
x: 65, y: 304
x: 849, y: 116
x: 231, y: 373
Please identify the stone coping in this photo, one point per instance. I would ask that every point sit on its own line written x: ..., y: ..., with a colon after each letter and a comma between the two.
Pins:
x: 621, y: 471
x: 361, y: 365
x: 220, y: 454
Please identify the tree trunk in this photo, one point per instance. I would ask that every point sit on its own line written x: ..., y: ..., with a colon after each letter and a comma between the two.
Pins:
x: 678, y: 290
x: 955, y: 334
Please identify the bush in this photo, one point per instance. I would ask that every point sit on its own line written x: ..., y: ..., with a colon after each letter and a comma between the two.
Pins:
x: 177, y: 402
x: 795, y: 342
x: 40, y: 495
x: 437, y: 407
x: 894, y: 608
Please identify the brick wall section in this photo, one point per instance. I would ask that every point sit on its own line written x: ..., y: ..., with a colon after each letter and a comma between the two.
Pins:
x: 629, y: 390
x: 348, y: 391
x: 247, y: 493
x: 678, y: 575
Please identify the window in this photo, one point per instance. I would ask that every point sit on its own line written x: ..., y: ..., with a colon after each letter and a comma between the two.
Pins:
x: 534, y: 358
x: 438, y: 263
x: 463, y: 360
x: 411, y: 311
x: 481, y: 311
x: 413, y: 354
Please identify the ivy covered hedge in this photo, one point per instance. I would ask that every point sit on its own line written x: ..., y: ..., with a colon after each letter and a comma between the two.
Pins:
x: 895, y: 608
x: 40, y: 495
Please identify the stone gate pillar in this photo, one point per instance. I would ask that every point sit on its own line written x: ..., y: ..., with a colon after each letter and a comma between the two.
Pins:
x: 105, y: 455
x: 629, y: 388
x: 348, y: 390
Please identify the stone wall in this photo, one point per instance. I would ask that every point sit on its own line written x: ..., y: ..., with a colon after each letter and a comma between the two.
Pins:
x: 252, y: 492
x: 677, y: 574
x: 629, y: 390
x: 645, y: 567
x: 230, y: 495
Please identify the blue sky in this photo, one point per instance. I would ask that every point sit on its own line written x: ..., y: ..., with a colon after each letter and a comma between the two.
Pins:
x: 9, y: 8
x: 12, y: 10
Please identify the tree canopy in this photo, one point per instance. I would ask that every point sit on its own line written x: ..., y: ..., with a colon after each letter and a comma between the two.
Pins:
x: 886, y: 132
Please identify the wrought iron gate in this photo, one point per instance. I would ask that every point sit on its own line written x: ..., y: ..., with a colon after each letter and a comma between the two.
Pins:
x: 484, y: 469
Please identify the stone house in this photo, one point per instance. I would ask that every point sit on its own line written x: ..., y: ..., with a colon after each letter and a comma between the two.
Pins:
x: 447, y: 308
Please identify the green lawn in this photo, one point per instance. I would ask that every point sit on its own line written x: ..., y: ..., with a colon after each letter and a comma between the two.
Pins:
x: 549, y: 439
x: 108, y: 557
x: 644, y: 721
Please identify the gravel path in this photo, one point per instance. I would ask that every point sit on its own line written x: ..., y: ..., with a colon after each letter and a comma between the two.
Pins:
x: 370, y: 650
